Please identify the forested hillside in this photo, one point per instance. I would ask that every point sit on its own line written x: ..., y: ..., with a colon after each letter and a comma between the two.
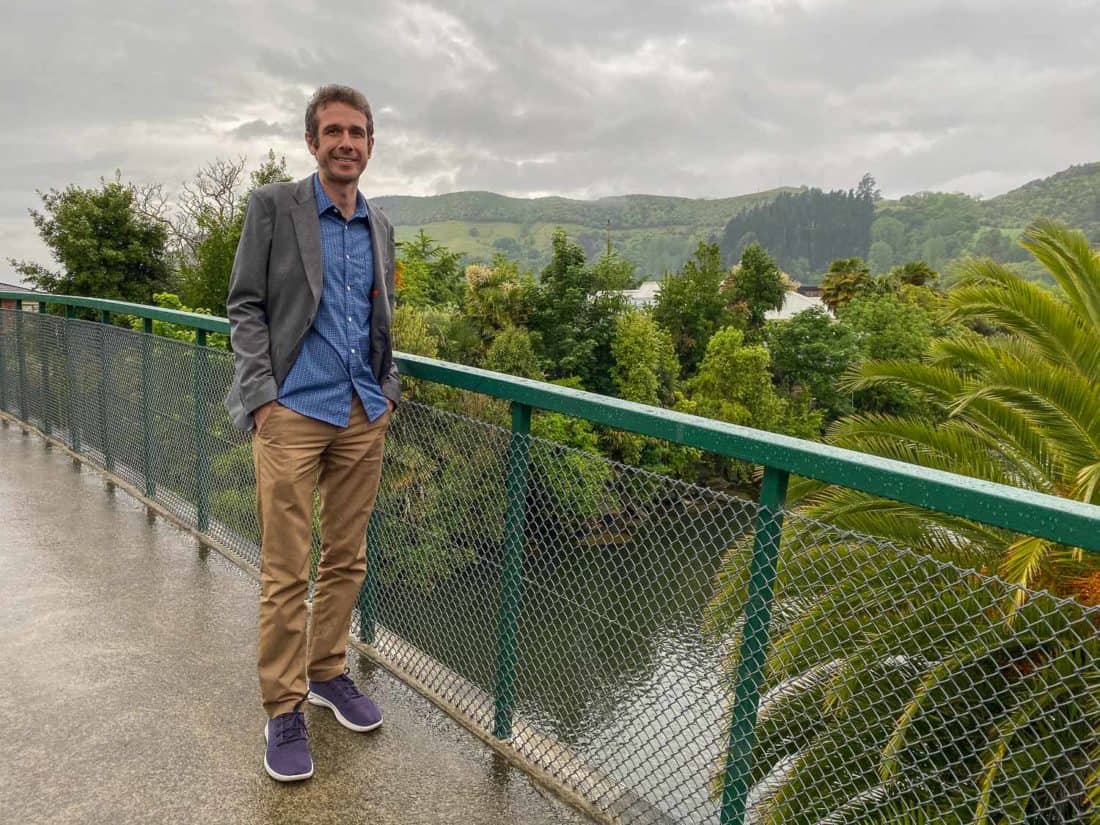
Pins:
x: 804, y: 229
x: 656, y: 233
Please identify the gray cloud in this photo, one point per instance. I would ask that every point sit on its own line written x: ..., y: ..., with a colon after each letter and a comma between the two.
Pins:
x: 575, y: 98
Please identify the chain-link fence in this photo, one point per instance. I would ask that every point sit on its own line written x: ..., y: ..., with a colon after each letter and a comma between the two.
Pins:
x: 594, y: 614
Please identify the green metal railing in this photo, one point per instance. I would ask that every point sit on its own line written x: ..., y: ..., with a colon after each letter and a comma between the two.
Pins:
x: 187, y: 456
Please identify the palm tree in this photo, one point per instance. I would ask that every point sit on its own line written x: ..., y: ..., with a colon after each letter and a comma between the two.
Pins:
x: 946, y: 671
x: 1020, y: 407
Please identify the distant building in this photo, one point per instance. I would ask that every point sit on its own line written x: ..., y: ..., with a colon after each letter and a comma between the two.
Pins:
x: 810, y: 290
x: 793, y: 303
x: 9, y: 303
x: 643, y: 296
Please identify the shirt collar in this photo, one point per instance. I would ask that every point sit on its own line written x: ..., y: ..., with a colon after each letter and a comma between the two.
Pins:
x: 324, y: 202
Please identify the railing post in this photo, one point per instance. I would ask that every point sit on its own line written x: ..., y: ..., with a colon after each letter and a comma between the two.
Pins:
x: 368, y: 596
x: 202, y: 459
x: 146, y: 430
x: 70, y: 379
x: 21, y: 360
x: 46, y: 427
x: 754, y: 645
x: 3, y: 361
x: 104, y: 369
x: 511, y: 576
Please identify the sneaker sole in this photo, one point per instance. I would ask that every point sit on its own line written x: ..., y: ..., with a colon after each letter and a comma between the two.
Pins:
x: 278, y: 777
x: 321, y: 701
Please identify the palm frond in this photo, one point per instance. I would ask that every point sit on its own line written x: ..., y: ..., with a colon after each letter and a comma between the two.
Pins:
x: 1067, y: 256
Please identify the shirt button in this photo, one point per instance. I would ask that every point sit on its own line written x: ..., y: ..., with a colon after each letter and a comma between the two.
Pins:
x: 349, y: 289
x: 353, y: 350
x: 349, y: 317
x: 348, y: 257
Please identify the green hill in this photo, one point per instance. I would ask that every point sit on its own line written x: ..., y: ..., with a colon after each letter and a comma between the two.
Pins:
x: 659, y: 233
x: 1072, y: 196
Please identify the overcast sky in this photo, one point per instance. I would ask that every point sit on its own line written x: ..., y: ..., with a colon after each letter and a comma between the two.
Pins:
x: 581, y: 98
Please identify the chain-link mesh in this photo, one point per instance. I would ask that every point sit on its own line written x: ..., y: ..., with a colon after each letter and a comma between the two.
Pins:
x: 895, y: 687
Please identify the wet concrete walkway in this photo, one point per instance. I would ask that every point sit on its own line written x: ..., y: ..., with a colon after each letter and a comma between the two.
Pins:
x: 129, y: 687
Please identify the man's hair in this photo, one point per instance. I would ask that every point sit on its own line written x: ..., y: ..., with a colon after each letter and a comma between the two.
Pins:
x: 335, y: 93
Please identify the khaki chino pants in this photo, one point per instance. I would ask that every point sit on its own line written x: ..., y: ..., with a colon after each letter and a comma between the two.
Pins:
x: 294, y: 454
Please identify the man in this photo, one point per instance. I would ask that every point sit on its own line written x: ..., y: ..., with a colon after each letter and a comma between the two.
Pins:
x: 310, y: 304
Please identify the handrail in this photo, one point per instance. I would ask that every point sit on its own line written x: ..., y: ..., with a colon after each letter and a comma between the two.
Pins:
x: 1058, y: 519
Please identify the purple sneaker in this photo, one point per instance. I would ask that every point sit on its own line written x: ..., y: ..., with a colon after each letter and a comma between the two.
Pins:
x: 287, y: 758
x: 340, y: 695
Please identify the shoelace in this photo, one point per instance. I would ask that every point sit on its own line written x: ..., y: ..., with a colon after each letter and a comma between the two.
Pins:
x: 290, y: 727
x: 345, y: 686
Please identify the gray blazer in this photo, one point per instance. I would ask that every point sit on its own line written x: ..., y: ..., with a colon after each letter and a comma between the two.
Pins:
x: 276, y: 288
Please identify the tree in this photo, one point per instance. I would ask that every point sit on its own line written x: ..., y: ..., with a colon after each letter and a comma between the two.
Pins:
x: 914, y: 273
x: 886, y: 326
x: 881, y: 257
x: 754, y: 287
x: 846, y: 278
x: 868, y: 189
x: 513, y: 352
x: 208, y: 226
x: 645, y: 367
x: 691, y: 307
x: 809, y: 353
x: 431, y: 274
x: 573, y: 310
x: 107, y: 243
x: 493, y: 298
x: 734, y: 384
x: 1017, y: 407
x: 907, y: 688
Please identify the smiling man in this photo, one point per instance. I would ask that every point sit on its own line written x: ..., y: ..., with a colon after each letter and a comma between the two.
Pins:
x: 310, y: 305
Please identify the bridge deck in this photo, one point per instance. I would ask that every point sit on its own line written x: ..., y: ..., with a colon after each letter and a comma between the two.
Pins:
x: 130, y: 691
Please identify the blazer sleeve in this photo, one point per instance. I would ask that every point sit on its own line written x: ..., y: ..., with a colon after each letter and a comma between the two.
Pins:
x: 246, y: 306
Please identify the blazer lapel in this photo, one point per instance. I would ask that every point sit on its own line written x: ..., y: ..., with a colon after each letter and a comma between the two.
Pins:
x: 307, y: 228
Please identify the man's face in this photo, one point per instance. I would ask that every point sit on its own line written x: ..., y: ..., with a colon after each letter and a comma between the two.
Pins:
x: 342, y: 149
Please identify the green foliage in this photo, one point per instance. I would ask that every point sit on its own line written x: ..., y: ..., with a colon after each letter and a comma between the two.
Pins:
x: 846, y: 278
x: 691, y: 306
x: 881, y: 257
x: 210, y: 227
x: 458, y: 337
x: 754, y: 287
x: 734, y: 384
x: 812, y: 225
x: 934, y: 227
x: 1017, y: 407
x: 809, y: 353
x: 431, y: 273
x: 494, y: 296
x: 107, y: 243
x: 569, y: 478
x: 1071, y: 196
x: 169, y: 300
x: 645, y: 367
x: 887, y: 327
x: 899, y: 690
x: 913, y: 273
x: 573, y: 310
x: 513, y: 352
x: 906, y: 689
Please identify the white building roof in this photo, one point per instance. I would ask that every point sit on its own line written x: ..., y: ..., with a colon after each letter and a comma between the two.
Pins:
x: 793, y: 303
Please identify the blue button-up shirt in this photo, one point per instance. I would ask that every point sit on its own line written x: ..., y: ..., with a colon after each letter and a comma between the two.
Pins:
x: 334, y: 360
